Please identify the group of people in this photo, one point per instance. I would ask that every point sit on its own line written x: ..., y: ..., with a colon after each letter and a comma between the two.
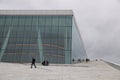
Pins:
x: 45, y: 63
x: 79, y: 60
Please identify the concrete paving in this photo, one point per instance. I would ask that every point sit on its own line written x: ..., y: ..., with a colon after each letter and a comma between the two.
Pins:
x: 95, y: 70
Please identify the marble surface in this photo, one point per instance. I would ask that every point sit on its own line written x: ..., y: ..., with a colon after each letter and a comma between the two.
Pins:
x: 95, y: 70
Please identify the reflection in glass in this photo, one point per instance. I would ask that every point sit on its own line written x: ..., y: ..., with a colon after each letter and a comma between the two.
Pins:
x: 42, y: 37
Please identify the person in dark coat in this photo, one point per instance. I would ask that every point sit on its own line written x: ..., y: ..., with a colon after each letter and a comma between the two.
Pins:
x: 33, y: 62
x: 45, y: 63
x: 73, y: 60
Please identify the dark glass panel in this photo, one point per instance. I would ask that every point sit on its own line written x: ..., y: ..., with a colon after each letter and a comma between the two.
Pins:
x: 2, y: 20
x: 69, y: 21
x: 8, y: 21
x: 28, y: 20
x: 15, y: 21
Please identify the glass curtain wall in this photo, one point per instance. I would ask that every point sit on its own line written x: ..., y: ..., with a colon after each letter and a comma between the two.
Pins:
x: 43, y: 37
x: 78, y: 50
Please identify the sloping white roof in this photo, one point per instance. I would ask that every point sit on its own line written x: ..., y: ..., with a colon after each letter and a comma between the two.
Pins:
x: 36, y: 12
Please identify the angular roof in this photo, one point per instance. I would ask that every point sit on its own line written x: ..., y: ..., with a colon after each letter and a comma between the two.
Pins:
x: 36, y: 12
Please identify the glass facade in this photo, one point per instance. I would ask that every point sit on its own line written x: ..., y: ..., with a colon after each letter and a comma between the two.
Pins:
x: 46, y: 37
x: 78, y: 50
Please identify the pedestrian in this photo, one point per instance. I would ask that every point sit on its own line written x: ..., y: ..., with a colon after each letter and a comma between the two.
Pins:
x: 33, y: 62
x: 73, y: 60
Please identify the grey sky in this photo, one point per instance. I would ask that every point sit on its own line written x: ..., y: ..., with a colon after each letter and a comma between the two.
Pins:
x: 98, y: 20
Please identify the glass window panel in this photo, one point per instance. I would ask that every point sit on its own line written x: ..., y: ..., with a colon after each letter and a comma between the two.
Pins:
x: 55, y: 31
x: 2, y: 20
x: 69, y: 41
x: 69, y: 31
x: 27, y: 29
x: 68, y: 21
x: 41, y: 29
x: 28, y: 20
x: 34, y: 28
x: 15, y: 21
x: 35, y: 21
x: 62, y: 21
x: 21, y: 20
x: 48, y: 21
x: 8, y: 20
x: 55, y: 21
x: 21, y: 28
x: 61, y: 42
x: 62, y: 31
x: 1, y: 30
x: 41, y: 20
x: 5, y: 31
x: 47, y: 32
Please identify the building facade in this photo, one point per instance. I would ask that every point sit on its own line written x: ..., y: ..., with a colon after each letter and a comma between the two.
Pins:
x: 44, y: 34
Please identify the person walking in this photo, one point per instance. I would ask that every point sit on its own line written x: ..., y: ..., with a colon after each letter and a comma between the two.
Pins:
x: 33, y: 62
x: 73, y: 60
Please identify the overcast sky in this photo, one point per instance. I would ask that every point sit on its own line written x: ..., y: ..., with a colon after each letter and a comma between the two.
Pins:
x: 98, y: 21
